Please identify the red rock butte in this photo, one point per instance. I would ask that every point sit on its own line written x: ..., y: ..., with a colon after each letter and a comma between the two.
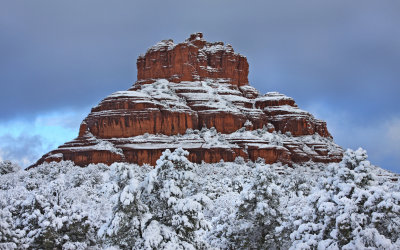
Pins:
x: 196, y: 95
x: 193, y: 60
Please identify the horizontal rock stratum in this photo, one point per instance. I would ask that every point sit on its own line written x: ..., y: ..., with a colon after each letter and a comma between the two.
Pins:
x: 196, y: 95
x: 193, y: 60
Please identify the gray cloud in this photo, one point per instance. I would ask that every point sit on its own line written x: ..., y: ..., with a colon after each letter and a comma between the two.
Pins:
x: 23, y: 149
x: 342, y: 55
x: 380, y: 138
x: 64, y: 54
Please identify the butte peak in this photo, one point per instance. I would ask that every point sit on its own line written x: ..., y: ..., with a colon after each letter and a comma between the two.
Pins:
x: 192, y: 60
x: 195, y: 95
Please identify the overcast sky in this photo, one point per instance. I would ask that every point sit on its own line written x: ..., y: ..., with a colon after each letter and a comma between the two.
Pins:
x: 340, y: 60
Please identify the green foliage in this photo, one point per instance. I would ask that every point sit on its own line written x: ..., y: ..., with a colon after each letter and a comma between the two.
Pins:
x: 349, y: 210
x: 258, y: 216
x: 161, y: 212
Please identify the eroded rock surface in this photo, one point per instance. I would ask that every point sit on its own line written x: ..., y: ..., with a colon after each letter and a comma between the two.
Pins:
x: 196, y: 95
x: 193, y: 60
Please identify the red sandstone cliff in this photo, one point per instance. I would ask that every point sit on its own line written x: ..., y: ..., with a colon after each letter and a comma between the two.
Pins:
x: 196, y: 95
x: 193, y: 60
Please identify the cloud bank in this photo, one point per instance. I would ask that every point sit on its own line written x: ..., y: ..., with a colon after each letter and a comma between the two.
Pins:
x: 24, y: 142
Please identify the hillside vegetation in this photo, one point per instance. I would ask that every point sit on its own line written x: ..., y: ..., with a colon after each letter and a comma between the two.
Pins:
x: 181, y: 205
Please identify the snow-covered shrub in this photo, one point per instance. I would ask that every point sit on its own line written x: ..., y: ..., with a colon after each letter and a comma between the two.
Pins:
x: 162, y: 212
x: 256, y: 222
x: 181, y: 205
x: 348, y: 210
x: 58, y: 205
x: 176, y: 208
x: 240, y: 160
x: 60, y: 225
x: 41, y: 213
x: 8, y: 167
x: 126, y: 225
x: 296, y: 185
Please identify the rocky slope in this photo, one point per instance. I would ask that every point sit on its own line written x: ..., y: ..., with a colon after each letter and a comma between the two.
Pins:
x: 196, y: 95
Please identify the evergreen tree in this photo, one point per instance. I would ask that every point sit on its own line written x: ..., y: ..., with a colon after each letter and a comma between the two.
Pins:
x: 174, y: 202
x: 8, y: 167
x: 162, y: 212
x: 349, y: 210
x: 127, y: 224
x: 258, y: 216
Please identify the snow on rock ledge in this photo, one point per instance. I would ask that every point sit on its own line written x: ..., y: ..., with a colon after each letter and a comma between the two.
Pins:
x: 194, y: 59
x: 183, y: 91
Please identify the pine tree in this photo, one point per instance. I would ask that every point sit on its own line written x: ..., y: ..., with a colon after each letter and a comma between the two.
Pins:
x: 127, y: 224
x: 174, y: 203
x: 349, y: 210
x: 162, y: 212
x: 258, y: 216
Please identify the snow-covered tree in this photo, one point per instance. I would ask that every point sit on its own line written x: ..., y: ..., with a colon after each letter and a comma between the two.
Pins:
x: 258, y: 216
x: 348, y: 210
x: 8, y: 167
x: 44, y: 218
x: 61, y: 225
x: 346, y: 205
x: 126, y: 225
x: 177, y: 210
x: 162, y: 212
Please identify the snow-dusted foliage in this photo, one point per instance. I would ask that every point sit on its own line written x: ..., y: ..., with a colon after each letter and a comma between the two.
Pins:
x: 57, y: 205
x: 348, y: 210
x: 126, y: 225
x: 8, y: 167
x: 39, y: 212
x: 258, y: 215
x: 181, y: 205
x: 164, y: 211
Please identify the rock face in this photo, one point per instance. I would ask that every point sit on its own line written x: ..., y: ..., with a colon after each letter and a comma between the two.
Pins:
x: 196, y: 95
x: 193, y: 60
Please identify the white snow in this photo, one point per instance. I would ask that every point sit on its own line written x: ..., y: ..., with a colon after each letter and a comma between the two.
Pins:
x: 163, y: 45
x: 313, y: 204
x: 129, y: 94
